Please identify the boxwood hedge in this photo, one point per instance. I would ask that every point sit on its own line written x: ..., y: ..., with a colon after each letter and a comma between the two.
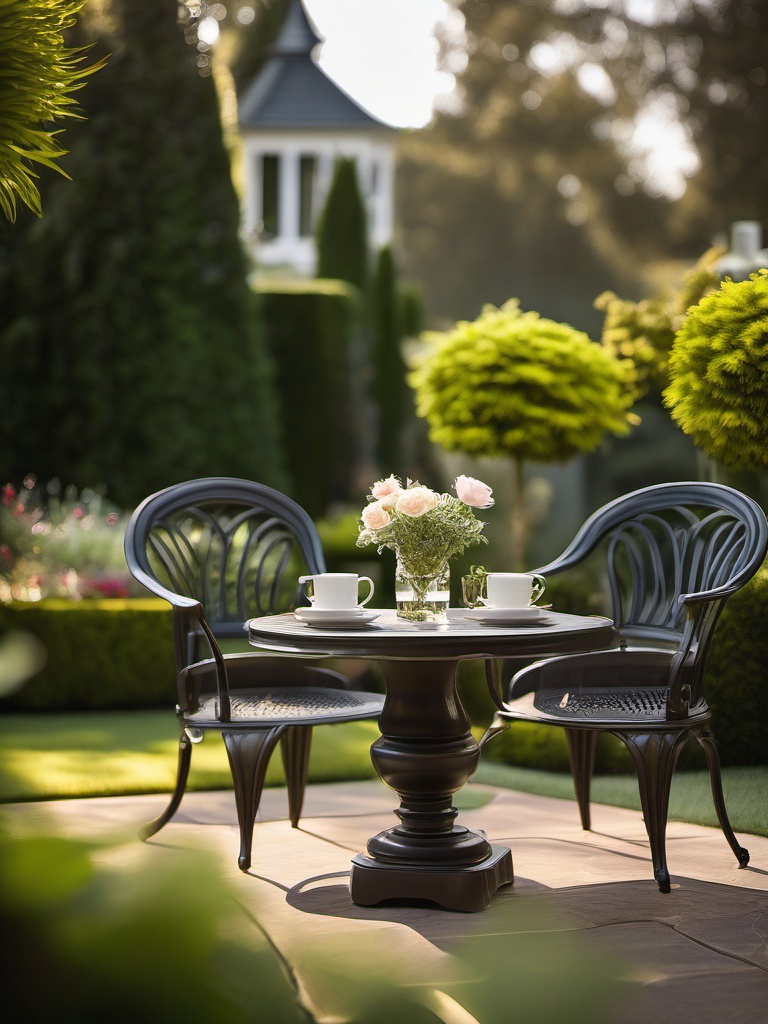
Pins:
x: 101, y: 654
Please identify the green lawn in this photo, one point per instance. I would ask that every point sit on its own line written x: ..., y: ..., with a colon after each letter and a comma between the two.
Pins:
x: 112, y: 753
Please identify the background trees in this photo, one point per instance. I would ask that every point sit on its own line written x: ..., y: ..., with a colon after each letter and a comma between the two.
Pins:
x: 543, y: 180
x: 129, y: 343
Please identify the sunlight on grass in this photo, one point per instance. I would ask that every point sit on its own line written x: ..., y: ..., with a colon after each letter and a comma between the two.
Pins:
x: 690, y: 799
x: 115, y: 753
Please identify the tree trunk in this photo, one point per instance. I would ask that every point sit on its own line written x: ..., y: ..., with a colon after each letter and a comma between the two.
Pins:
x: 519, y: 523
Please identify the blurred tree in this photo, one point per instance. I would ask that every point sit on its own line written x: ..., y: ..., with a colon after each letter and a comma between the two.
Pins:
x: 708, y: 68
x: 519, y: 187
x: 643, y: 332
x: 389, y: 388
x: 541, y: 178
x: 342, y: 229
x: 130, y: 348
x: 514, y: 385
x: 39, y: 74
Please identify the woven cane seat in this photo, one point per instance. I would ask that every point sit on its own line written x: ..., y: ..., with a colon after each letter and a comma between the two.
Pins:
x: 297, y: 705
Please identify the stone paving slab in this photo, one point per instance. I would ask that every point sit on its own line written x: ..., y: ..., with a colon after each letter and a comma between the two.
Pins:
x: 699, y: 953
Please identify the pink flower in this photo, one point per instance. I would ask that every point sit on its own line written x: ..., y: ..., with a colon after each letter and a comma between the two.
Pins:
x: 416, y: 501
x: 375, y: 516
x: 386, y: 488
x: 473, y: 492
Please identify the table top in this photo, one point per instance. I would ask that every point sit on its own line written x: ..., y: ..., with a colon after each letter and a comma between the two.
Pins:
x: 388, y: 637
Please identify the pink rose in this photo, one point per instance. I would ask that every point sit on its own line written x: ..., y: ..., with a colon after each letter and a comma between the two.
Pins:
x: 375, y: 516
x: 473, y: 492
x: 385, y: 488
x: 416, y: 501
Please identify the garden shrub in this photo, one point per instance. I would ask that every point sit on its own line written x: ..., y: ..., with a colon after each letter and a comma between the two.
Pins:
x: 131, y: 354
x: 313, y: 335
x: 737, y: 675
x: 101, y: 654
x: 342, y: 229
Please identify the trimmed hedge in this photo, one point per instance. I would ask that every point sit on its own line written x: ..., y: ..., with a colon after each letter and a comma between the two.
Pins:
x: 314, y: 337
x: 737, y: 675
x: 101, y: 654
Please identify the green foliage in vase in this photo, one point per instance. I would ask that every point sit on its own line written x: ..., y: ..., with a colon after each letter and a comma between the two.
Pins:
x: 424, y: 529
x: 39, y: 73
x: 718, y: 392
x: 514, y: 384
x: 643, y: 332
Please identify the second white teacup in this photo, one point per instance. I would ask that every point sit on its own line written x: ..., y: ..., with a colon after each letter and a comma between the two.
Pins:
x: 513, y: 589
x: 336, y: 590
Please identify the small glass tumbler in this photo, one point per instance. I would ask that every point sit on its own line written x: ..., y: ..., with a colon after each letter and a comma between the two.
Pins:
x: 473, y: 590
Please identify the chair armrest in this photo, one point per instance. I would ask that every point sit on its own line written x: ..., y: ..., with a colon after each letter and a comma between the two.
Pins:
x: 185, y: 611
x: 190, y: 604
x: 705, y: 596
x: 565, y: 561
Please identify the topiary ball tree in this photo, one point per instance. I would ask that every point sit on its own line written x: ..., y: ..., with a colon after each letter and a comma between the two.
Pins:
x: 512, y: 384
x: 718, y: 391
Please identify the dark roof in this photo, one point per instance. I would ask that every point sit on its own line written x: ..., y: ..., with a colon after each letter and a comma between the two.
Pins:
x: 291, y: 91
x: 298, y: 34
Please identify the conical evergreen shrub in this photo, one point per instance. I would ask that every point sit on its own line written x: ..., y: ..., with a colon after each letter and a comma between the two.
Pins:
x: 130, y: 349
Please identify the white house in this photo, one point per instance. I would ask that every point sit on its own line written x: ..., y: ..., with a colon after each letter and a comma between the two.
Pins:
x: 294, y: 124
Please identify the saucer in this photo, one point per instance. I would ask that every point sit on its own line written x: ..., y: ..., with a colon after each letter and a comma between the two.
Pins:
x: 509, y: 616
x: 335, y: 616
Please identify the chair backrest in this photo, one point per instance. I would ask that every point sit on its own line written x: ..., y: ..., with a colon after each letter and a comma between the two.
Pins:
x: 666, y: 542
x: 235, y: 546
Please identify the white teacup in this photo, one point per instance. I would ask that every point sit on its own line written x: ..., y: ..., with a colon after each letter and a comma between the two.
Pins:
x: 336, y: 590
x: 513, y: 589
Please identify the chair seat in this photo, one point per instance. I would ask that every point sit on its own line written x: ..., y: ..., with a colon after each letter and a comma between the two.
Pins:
x: 604, y: 688
x: 287, y: 705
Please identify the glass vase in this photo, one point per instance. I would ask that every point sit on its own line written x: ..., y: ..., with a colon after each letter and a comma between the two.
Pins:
x: 423, y: 598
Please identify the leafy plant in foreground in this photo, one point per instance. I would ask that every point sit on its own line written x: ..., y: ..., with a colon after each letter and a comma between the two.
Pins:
x: 39, y: 73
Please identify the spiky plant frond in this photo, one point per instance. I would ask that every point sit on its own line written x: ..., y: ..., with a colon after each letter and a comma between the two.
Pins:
x: 38, y: 73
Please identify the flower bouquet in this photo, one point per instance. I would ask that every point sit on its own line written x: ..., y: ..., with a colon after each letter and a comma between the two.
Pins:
x: 425, y: 529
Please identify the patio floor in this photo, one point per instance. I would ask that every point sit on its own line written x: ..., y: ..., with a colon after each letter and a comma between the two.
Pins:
x: 697, y: 954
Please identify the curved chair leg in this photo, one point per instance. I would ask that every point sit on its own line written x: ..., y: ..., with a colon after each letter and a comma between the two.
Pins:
x: 496, y: 728
x: 582, y: 744
x: 655, y: 755
x: 249, y: 752
x: 708, y: 743
x: 182, y: 773
x: 295, y: 746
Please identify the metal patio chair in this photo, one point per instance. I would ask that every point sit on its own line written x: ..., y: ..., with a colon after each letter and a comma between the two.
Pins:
x: 220, y: 551
x: 673, y: 554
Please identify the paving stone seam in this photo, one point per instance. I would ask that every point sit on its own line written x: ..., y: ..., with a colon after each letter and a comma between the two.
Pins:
x: 685, y: 935
x: 285, y: 963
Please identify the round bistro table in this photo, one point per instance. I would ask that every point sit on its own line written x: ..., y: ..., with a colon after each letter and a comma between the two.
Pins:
x: 426, y: 751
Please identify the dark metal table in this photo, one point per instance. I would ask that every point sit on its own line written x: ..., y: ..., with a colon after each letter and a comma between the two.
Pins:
x: 426, y: 751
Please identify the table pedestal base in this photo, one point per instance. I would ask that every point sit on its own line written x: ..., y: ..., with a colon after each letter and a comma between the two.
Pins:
x: 462, y: 888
